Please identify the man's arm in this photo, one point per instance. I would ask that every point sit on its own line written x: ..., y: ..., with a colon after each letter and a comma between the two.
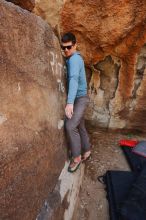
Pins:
x: 74, y: 69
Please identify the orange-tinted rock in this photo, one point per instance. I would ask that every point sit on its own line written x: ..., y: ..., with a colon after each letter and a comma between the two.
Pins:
x: 32, y: 100
x: 49, y: 10
x: 101, y: 26
x: 27, y: 4
x: 115, y: 29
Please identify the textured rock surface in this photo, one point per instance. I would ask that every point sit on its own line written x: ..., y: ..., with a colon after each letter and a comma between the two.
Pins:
x: 101, y: 27
x: 27, y: 4
x: 111, y: 35
x: 49, y: 10
x: 61, y: 203
x: 32, y: 102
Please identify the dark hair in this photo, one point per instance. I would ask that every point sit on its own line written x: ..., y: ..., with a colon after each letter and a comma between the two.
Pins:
x: 68, y: 37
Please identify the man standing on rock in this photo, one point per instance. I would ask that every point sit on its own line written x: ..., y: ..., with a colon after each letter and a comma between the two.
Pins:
x: 77, y: 101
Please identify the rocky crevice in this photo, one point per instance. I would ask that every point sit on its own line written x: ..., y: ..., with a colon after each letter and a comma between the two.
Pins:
x: 103, y: 86
x: 137, y: 105
x: 137, y: 81
x: 140, y: 68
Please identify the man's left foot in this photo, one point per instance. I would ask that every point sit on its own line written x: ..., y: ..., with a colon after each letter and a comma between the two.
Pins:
x: 74, y: 165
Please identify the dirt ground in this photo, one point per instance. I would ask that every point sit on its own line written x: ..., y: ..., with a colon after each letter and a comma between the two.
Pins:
x: 106, y: 155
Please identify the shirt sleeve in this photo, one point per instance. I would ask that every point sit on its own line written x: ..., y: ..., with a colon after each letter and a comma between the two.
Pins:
x: 73, y: 78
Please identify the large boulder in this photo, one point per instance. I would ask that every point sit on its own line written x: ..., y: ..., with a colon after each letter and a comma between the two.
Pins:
x: 32, y: 99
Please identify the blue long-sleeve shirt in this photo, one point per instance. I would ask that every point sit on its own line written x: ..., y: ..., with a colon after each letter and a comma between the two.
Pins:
x: 76, y: 77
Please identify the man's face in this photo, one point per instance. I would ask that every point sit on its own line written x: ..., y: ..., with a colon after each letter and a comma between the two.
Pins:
x: 69, y: 48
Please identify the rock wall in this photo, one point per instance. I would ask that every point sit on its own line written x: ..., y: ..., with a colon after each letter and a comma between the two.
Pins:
x: 32, y: 99
x: 111, y: 36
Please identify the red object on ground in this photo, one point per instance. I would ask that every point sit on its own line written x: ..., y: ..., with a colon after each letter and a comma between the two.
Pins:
x: 128, y: 143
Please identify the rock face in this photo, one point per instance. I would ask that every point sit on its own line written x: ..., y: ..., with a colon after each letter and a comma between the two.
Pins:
x: 111, y: 36
x: 32, y: 98
x: 27, y: 4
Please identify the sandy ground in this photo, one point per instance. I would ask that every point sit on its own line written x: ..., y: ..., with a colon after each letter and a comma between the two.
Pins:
x: 106, y: 155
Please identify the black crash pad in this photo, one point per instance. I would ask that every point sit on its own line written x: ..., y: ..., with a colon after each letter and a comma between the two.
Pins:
x: 118, y: 184
x: 136, y: 162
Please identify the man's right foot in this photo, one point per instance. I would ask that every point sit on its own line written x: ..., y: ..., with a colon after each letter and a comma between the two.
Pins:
x: 86, y: 155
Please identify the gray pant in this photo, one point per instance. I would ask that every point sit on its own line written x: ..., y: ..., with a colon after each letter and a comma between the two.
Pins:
x: 75, y: 128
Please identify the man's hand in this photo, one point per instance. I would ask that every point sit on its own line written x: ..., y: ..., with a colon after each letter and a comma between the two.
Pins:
x: 69, y: 110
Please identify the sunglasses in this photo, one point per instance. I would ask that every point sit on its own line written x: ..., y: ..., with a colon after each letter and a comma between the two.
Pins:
x: 66, y: 47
